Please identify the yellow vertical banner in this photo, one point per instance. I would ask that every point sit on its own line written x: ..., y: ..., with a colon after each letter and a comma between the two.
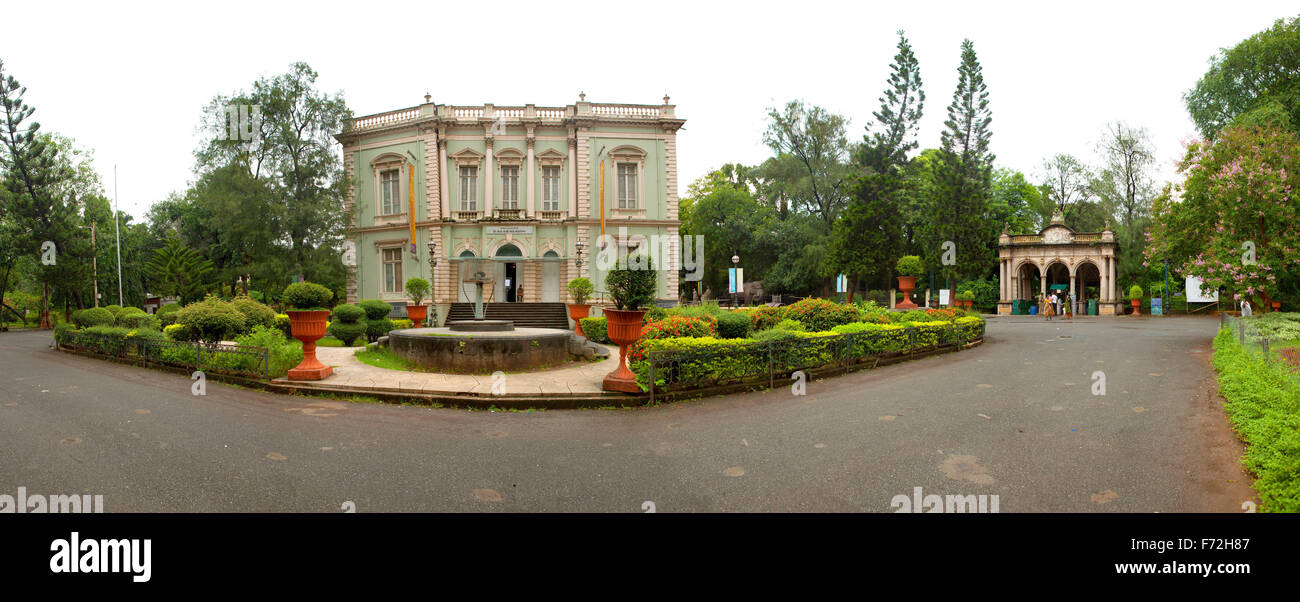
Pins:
x: 411, y: 217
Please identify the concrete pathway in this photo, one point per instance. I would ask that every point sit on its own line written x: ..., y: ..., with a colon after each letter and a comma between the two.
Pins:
x: 575, y: 377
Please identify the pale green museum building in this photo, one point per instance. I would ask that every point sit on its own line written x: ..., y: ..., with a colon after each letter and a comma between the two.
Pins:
x: 520, y: 185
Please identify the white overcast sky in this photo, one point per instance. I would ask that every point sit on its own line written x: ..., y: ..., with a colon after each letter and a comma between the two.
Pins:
x: 129, y: 80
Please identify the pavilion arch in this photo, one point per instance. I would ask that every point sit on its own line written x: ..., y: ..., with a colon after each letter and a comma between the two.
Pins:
x: 1087, y: 257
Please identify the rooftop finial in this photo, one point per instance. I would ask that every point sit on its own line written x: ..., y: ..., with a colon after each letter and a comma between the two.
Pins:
x: 427, y: 97
x: 582, y: 96
x: 665, y: 98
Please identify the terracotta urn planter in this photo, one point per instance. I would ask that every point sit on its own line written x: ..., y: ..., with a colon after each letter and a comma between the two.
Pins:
x: 418, y: 313
x: 578, y: 311
x: 309, y: 327
x: 1277, y: 305
x: 623, y: 328
x: 1137, y: 306
x: 907, y: 284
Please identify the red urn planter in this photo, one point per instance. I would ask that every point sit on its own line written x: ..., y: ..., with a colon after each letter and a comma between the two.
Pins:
x: 1276, y: 305
x: 907, y: 284
x: 623, y: 328
x: 1137, y: 306
x: 417, y: 313
x: 578, y: 311
x: 309, y: 327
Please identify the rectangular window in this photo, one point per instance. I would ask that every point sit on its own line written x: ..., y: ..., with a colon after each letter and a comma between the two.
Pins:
x: 390, y: 192
x: 469, y: 189
x: 627, y: 186
x: 510, y: 187
x: 393, y: 270
x: 550, y: 189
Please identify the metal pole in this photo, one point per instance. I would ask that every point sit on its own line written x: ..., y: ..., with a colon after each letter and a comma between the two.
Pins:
x: 118, y: 230
x: 652, y: 375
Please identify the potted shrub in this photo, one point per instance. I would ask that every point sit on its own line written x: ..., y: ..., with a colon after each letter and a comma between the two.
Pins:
x: 966, y: 299
x: 417, y: 289
x: 307, y: 322
x: 580, y: 289
x: 909, y: 268
x: 632, y: 287
x: 1135, y: 296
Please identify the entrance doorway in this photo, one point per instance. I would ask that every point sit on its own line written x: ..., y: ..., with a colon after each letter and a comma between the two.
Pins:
x: 551, y: 277
x: 508, y: 273
x: 1087, y: 279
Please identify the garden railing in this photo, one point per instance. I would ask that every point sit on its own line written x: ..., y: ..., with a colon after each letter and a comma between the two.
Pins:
x: 223, y: 357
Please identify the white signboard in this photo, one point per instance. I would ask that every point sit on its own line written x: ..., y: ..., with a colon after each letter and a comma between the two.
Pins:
x: 943, y: 296
x: 501, y: 230
x: 1196, y: 295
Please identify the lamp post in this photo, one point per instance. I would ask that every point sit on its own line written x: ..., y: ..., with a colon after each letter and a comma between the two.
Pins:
x: 433, y: 286
x: 735, y: 263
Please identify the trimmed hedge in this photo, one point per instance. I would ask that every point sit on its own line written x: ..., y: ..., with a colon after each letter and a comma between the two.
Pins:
x: 765, y: 317
x: 348, y: 332
x: 307, y: 295
x: 211, y: 320
x: 95, y: 316
x: 255, y: 314
x: 596, y: 329
x: 375, y: 309
x: 348, y: 313
x: 140, y: 321
x: 733, y: 326
x: 672, y: 327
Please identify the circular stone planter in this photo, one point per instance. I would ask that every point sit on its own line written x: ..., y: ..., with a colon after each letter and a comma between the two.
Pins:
x: 461, y: 352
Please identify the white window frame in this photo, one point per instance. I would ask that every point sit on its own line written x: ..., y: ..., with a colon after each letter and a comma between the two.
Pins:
x: 551, y: 188
x: 399, y: 282
x: 628, y: 196
x: 468, y: 193
x: 390, y: 188
x: 509, y: 186
x: 385, y: 163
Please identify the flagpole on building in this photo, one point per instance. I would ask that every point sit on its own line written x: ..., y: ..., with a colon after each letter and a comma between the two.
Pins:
x: 118, y: 235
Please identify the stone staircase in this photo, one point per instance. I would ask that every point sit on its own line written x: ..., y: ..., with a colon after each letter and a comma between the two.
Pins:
x: 524, y: 315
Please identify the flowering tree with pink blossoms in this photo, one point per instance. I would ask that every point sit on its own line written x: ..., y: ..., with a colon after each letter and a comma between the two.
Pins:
x: 1237, y: 223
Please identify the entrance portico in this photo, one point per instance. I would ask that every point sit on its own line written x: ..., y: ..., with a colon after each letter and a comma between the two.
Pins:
x: 1085, y: 262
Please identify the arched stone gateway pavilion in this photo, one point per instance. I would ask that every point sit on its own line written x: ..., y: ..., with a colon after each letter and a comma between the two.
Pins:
x: 1058, y: 258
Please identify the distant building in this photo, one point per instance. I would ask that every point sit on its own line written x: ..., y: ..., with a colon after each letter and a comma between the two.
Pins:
x: 519, y: 185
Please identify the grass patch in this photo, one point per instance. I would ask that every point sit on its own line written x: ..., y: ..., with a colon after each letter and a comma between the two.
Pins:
x: 329, y: 341
x: 1264, y: 408
x: 380, y: 357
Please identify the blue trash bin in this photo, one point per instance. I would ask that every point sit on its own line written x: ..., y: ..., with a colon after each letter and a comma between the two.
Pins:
x: 1033, y: 310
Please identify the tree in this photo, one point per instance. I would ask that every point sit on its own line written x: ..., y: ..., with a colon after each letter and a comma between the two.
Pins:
x: 1017, y: 203
x: 1067, y: 183
x: 1255, y: 83
x: 38, y: 211
x: 1234, y: 226
x: 958, y: 211
x: 731, y: 222
x: 868, y: 236
x: 1125, y: 183
x: 288, y: 179
x: 812, y: 150
x: 178, y: 271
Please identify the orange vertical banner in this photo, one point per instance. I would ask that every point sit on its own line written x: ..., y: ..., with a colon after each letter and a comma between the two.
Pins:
x: 411, y: 217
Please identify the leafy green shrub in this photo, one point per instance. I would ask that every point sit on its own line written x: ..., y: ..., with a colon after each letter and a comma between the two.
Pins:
x: 791, y: 326
x: 348, y: 332
x: 733, y: 326
x: 255, y: 314
x: 734, y: 359
x: 377, y: 328
x: 909, y: 265
x: 1134, y: 292
x: 211, y: 320
x: 284, y: 325
x: 401, y: 323
x: 348, y: 313
x: 283, y: 353
x: 870, y: 311
x: 632, y: 284
x: 307, y: 296
x: 776, y: 334
x: 375, y: 309
x: 417, y: 289
x: 140, y: 321
x: 821, y: 314
x: 671, y: 327
x: 1263, y: 404
x: 178, y: 332
x: 95, y: 316
x: 167, y: 319
x: 765, y: 317
x: 596, y: 329
x: 114, y: 309
x: 654, y: 314
x: 168, y: 308
x: 580, y: 289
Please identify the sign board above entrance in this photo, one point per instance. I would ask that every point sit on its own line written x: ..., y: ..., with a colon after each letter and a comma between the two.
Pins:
x: 501, y: 230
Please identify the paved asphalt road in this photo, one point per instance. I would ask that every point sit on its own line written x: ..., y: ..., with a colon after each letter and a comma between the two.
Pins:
x: 1015, y: 417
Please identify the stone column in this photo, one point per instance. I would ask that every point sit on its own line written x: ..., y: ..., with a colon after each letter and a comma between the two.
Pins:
x: 531, y: 207
x: 1002, y: 280
x: 1074, y: 295
x: 1042, y: 283
x: 488, y: 176
x: 442, y: 177
x: 1113, y: 295
x: 573, y: 175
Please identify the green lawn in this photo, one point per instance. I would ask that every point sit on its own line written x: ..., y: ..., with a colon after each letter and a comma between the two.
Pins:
x: 329, y: 341
x: 382, y: 358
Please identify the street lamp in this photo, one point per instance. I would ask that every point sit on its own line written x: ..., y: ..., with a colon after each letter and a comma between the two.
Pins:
x: 578, y: 246
x: 735, y: 262
x: 433, y: 280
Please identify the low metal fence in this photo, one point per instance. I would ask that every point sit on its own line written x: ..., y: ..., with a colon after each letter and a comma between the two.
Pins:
x: 222, y: 357
x: 1259, y: 344
x: 752, y: 363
